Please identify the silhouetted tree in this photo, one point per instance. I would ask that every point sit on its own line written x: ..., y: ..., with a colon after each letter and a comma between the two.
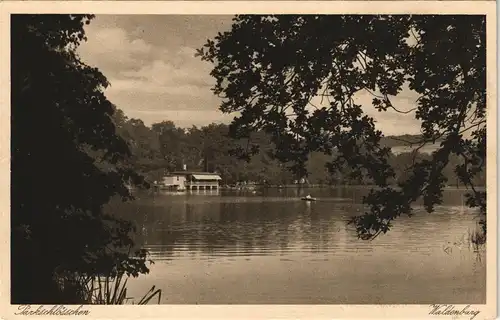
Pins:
x: 67, y: 161
x: 269, y: 68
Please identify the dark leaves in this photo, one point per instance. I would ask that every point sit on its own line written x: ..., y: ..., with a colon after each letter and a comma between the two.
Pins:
x: 67, y: 160
x: 269, y: 67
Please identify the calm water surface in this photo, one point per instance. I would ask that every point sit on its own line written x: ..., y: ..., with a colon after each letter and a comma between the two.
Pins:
x: 230, y: 248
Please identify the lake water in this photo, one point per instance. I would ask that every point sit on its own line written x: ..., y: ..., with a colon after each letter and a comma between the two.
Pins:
x: 229, y: 248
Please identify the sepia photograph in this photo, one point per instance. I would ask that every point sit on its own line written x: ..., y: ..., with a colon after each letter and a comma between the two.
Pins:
x: 250, y: 159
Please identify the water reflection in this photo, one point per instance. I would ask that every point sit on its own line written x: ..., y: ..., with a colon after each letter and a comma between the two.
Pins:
x: 236, y: 224
x: 300, y: 237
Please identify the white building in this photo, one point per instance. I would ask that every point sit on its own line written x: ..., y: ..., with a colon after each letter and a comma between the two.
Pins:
x: 175, y: 182
x: 183, y: 180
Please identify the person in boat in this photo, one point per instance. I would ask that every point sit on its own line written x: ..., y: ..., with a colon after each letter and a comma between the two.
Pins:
x: 308, y: 196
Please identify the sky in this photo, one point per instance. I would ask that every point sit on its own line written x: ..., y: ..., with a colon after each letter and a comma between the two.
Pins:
x: 149, y: 61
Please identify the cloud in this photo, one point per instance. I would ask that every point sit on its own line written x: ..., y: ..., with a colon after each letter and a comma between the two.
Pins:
x: 181, y: 71
x: 150, y: 86
x: 154, y: 75
x: 112, y: 49
x: 140, y: 97
x: 149, y: 81
x: 178, y: 81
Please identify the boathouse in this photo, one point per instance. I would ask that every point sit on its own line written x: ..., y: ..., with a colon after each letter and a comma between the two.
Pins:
x: 198, y: 180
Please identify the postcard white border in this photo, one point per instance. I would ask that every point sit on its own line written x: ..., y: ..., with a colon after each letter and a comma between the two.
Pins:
x: 488, y: 311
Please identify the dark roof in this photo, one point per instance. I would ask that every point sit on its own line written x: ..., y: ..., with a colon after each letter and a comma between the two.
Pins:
x: 191, y: 172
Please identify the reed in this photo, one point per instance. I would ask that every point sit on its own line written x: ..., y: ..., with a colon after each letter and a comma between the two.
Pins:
x: 113, y: 290
x: 77, y: 289
x: 477, y: 238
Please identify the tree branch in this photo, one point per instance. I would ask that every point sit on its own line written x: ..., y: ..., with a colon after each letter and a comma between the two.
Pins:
x: 394, y: 108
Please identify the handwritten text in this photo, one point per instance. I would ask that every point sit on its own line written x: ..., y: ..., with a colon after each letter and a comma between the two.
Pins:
x: 451, y: 310
x: 57, y: 310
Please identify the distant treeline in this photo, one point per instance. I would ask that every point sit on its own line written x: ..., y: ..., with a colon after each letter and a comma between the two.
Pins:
x: 163, y: 147
x: 404, y: 140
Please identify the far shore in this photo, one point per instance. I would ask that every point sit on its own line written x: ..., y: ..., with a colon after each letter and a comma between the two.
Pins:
x: 309, y: 186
